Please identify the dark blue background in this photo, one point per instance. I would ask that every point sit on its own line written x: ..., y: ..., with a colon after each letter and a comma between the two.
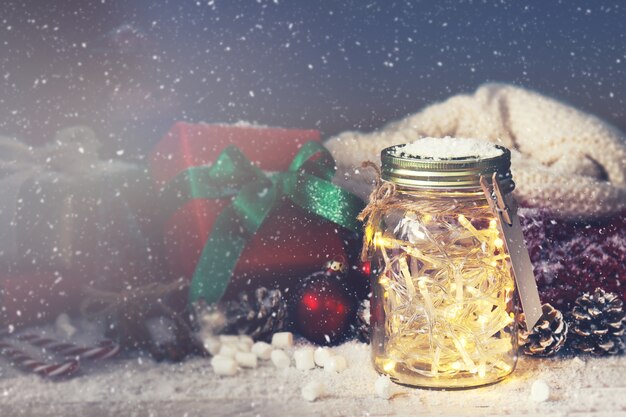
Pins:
x: 131, y: 68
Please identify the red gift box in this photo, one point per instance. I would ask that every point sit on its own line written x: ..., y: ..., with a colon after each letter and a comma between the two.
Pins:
x: 289, y: 245
x: 187, y: 145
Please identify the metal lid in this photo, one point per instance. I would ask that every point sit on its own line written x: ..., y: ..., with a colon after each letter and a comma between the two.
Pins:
x: 455, y: 173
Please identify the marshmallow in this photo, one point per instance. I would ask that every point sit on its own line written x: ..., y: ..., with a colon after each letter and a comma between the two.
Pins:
x: 280, y: 359
x: 212, y: 319
x: 223, y: 365
x: 384, y: 387
x: 247, y: 340
x: 321, y: 355
x: 282, y: 339
x: 212, y: 345
x: 539, y: 391
x: 243, y: 346
x: 229, y: 338
x: 312, y: 391
x: 262, y: 350
x: 335, y: 364
x: 246, y: 359
x: 228, y: 350
x: 304, y: 358
x: 64, y: 325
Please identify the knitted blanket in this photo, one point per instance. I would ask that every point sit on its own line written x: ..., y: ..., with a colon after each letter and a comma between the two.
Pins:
x: 564, y: 160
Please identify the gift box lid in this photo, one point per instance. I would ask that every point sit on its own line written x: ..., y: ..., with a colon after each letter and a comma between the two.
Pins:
x: 186, y: 145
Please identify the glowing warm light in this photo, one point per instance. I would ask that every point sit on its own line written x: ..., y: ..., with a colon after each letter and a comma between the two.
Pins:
x: 481, y: 370
x: 446, y: 297
x: 504, y: 366
x: 389, y: 366
x: 369, y: 235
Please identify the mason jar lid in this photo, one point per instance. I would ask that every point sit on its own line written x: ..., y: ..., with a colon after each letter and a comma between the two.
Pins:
x: 411, y: 170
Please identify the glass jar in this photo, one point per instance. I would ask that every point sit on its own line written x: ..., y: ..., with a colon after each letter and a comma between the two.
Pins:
x: 444, y: 302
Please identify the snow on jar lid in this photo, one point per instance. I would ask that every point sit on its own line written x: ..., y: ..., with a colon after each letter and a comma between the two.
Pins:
x: 446, y: 163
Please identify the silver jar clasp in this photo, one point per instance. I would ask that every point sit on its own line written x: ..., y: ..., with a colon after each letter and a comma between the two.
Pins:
x: 505, y: 208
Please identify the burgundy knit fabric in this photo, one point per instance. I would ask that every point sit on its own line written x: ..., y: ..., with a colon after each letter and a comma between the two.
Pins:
x: 571, y: 258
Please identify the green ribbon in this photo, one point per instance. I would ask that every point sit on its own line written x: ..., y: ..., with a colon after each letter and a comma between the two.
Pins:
x: 307, y: 183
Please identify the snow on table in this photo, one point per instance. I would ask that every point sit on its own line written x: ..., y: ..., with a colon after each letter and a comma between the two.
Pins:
x: 139, y: 387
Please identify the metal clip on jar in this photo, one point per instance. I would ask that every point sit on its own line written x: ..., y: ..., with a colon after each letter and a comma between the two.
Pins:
x: 444, y: 294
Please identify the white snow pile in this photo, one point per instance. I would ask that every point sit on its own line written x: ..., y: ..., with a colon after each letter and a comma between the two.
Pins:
x: 448, y: 148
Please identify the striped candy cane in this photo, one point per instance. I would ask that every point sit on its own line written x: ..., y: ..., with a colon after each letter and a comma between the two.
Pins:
x: 22, y: 360
x: 103, y: 350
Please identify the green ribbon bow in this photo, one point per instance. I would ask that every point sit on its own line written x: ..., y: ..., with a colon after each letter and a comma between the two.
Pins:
x: 306, y: 183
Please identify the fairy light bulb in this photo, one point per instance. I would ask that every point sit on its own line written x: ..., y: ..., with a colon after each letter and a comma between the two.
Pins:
x: 389, y: 366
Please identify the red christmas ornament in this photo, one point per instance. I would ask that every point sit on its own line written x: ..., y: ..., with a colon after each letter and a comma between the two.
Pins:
x: 325, y: 306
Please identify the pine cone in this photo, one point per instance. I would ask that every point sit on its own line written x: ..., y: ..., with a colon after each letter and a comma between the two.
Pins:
x: 363, y: 321
x: 258, y: 316
x: 547, y: 336
x: 597, y: 324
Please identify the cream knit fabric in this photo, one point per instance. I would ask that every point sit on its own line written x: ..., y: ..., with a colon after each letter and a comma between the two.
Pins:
x: 563, y: 159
